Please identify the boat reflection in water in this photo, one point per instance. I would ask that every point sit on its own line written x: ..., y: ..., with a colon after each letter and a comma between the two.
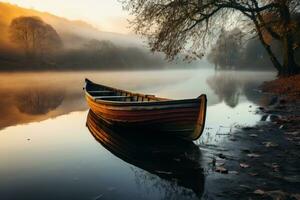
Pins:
x: 171, y: 159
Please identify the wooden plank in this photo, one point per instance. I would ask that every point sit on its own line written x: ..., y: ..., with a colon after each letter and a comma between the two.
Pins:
x: 111, y: 97
x: 100, y: 92
x: 141, y: 113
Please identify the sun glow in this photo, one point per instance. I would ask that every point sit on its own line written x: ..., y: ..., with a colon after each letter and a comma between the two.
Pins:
x: 103, y: 14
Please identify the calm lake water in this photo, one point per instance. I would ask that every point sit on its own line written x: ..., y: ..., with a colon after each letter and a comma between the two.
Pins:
x: 47, y: 152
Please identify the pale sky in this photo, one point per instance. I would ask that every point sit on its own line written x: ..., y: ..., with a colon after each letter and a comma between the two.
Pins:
x: 106, y: 15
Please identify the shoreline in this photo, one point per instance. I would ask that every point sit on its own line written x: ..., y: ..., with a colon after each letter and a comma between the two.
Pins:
x: 262, y: 161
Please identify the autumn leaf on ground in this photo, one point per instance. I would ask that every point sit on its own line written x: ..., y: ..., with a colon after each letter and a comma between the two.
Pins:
x: 259, y: 191
x: 253, y: 174
x: 253, y: 155
x: 244, y: 165
x: 270, y: 144
x: 222, y: 170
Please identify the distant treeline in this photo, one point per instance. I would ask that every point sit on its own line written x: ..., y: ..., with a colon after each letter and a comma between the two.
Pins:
x: 105, y: 55
x: 232, y: 52
x: 35, y: 45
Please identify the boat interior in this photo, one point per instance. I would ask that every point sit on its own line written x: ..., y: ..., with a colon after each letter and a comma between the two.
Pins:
x: 99, y: 92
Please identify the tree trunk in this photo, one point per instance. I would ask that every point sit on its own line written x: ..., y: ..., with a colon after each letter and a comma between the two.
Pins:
x: 273, y: 58
x: 267, y: 47
x: 289, y: 64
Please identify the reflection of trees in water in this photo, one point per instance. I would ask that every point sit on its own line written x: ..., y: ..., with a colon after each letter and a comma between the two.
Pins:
x: 229, y: 87
x: 39, y: 101
x: 250, y: 92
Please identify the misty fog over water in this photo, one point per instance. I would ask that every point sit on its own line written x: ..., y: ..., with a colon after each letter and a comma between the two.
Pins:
x: 35, y: 96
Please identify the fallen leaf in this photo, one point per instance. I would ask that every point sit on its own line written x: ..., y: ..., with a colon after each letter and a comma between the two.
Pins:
x: 244, y: 165
x: 259, y: 191
x: 253, y: 155
x: 245, y: 186
x: 222, y: 170
x: 270, y: 144
x: 253, y: 174
x: 253, y: 135
x: 219, y: 164
x: 281, y: 126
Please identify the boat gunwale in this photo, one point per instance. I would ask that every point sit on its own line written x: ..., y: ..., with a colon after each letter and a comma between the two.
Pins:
x: 159, y: 101
x: 142, y: 103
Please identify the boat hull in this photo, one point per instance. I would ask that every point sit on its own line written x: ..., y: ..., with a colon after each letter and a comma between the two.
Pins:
x: 182, y: 118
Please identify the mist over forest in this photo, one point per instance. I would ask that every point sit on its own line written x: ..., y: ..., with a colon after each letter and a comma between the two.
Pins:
x: 62, y: 44
x: 232, y: 51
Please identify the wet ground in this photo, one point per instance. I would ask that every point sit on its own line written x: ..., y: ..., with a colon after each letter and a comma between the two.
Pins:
x: 257, y: 162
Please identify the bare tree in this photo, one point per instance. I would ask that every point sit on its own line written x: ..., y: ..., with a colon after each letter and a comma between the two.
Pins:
x: 174, y: 26
x: 36, y: 37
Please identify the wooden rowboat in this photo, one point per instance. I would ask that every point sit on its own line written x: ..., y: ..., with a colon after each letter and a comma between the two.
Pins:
x: 181, y: 118
x: 173, y: 159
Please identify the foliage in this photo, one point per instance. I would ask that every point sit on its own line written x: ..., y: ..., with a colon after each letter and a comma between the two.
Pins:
x: 190, y: 26
x: 36, y: 37
x: 230, y: 53
x: 227, y: 50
